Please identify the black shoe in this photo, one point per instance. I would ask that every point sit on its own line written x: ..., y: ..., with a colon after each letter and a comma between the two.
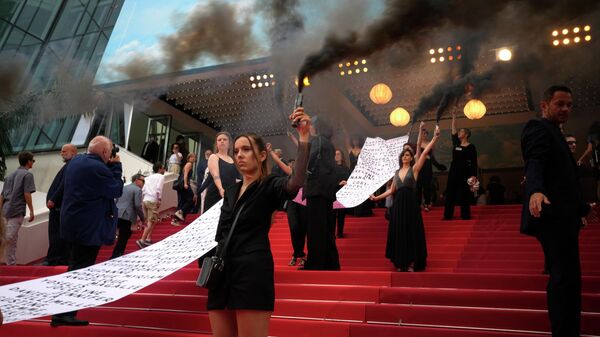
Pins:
x: 68, y: 320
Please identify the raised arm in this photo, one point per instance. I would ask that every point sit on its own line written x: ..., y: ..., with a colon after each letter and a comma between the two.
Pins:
x: 419, y: 140
x: 421, y: 160
x: 283, y: 166
x: 293, y: 138
x: 453, y: 122
x: 299, y: 175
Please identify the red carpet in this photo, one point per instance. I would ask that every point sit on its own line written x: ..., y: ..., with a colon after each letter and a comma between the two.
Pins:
x: 483, y: 279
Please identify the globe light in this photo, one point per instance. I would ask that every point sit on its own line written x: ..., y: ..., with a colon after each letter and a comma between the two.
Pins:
x: 399, y: 117
x: 504, y: 55
x: 380, y: 93
x: 474, y: 109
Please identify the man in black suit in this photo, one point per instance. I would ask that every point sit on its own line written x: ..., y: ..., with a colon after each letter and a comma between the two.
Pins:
x: 553, y: 208
x: 57, y: 248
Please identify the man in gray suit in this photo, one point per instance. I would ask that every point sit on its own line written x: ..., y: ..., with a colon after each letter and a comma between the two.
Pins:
x: 130, y: 207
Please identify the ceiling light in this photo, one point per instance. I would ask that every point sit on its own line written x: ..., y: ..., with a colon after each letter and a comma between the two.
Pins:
x: 565, y: 31
x: 555, y: 33
x: 504, y: 55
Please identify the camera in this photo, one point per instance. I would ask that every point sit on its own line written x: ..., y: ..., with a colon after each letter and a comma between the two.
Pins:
x: 114, y: 151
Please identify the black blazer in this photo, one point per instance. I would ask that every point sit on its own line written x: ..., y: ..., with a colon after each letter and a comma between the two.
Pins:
x: 57, y: 188
x: 321, y: 178
x: 550, y: 169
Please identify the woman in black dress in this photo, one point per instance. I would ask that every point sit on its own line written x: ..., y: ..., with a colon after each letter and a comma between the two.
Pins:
x: 186, y: 194
x: 242, y: 305
x: 424, y: 183
x: 406, y: 246
x: 462, y: 168
x: 222, y: 171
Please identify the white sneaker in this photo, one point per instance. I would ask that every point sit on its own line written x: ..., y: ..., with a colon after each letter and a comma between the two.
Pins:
x: 179, y: 215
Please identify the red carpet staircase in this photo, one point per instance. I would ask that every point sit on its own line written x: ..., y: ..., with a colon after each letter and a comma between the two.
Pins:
x: 483, y: 279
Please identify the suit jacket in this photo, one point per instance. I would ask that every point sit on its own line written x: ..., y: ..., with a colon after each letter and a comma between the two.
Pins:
x: 550, y: 169
x: 130, y: 203
x: 55, y: 193
x: 321, y: 179
x: 89, y: 213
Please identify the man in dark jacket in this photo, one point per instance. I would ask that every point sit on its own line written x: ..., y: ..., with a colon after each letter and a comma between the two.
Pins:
x: 88, y: 217
x: 553, y: 208
x: 57, y: 248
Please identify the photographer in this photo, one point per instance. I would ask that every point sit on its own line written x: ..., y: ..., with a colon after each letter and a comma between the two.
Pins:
x: 88, y: 217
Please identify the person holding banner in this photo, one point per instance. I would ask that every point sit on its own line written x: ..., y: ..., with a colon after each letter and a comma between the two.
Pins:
x: 406, y: 246
x: 243, y: 303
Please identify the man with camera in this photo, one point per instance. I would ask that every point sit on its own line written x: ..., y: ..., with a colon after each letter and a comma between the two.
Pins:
x: 88, y: 217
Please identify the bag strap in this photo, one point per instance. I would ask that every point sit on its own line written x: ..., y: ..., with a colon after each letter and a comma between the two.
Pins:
x: 222, y: 252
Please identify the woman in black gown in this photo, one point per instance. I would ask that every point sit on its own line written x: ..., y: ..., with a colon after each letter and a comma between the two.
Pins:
x: 243, y: 303
x: 222, y: 171
x: 406, y: 246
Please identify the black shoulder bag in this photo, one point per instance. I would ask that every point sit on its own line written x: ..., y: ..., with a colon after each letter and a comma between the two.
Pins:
x: 211, y: 273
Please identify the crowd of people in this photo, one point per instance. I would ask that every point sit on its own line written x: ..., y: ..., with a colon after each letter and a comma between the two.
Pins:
x: 88, y: 202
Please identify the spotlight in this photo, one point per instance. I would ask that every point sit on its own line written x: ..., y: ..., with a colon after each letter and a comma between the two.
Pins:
x: 441, y: 59
x: 566, y: 41
x: 365, y: 69
x: 347, y: 64
x: 357, y: 71
x: 260, y: 84
x: 458, y: 47
x: 565, y: 31
x: 364, y: 61
x: 441, y: 50
x: 555, y: 33
x: 349, y: 72
x: 459, y: 57
x: 340, y: 65
x: 556, y: 42
x: 251, y: 78
x: 355, y: 63
x: 587, y: 28
x: 271, y: 76
x: 432, y: 60
x: 576, y: 39
x: 431, y: 51
x: 449, y: 48
x: 253, y: 85
x: 576, y: 30
x: 342, y: 73
x: 504, y: 54
x: 588, y: 38
x: 266, y: 84
x: 450, y: 58
x: 264, y: 77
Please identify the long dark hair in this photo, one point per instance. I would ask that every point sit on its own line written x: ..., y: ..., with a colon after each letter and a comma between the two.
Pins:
x: 343, y: 158
x: 255, y: 140
x: 412, y: 162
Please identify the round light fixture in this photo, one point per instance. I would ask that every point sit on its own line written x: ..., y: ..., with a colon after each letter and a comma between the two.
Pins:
x: 504, y: 54
x: 380, y: 93
x: 474, y: 109
x: 399, y: 117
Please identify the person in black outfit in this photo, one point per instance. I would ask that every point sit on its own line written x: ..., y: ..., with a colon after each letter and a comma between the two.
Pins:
x: 57, y: 248
x: 553, y: 208
x: 462, y: 168
x: 243, y: 303
x: 319, y: 190
x: 200, y: 170
x: 342, y: 173
x: 222, y: 171
x: 186, y: 193
x: 150, y: 150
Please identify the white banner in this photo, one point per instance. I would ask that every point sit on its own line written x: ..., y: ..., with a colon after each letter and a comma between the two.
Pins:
x: 377, y: 163
x: 111, y: 280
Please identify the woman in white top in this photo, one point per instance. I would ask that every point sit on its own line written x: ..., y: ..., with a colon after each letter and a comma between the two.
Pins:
x: 175, y: 159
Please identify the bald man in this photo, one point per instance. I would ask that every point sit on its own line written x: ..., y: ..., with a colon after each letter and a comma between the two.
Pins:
x: 57, y: 248
x: 88, y: 216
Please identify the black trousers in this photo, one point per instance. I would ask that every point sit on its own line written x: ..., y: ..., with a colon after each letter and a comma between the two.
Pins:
x: 339, y: 220
x: 424, y: 189
x: 320, y: 240
x: 80, y: 256
x: 124, y: 235
x: 297, y: 218
x: 560, y: 243
x: 186, y: 198
x: 58, y: 249
x: 457, y: 192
